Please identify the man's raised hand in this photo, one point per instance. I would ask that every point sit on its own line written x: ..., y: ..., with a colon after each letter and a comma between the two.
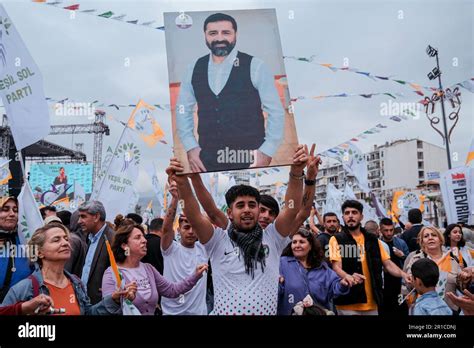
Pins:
x: 194, y: 160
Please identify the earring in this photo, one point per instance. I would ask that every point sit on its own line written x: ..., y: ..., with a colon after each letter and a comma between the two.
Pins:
x: 127, y: 251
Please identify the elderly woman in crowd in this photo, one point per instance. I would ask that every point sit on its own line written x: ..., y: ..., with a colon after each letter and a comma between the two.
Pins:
x: 451, y: 275
x: 304, y: 272
x: 454, y: 241
x: 129, y: 247
x: 52, y: 250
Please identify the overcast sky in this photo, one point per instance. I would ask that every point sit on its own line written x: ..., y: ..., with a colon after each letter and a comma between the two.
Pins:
x: 84, y: 58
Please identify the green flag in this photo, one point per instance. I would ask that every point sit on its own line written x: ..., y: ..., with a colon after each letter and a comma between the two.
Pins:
x: 106, y: 14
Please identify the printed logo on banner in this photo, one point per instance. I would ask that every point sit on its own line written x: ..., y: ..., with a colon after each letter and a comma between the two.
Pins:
x: 460, y: 196
x: 184, y: 21
x: 130, y: 153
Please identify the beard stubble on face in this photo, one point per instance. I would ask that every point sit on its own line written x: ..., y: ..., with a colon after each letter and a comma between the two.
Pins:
x: 223, y: 50
x: 353, y: 228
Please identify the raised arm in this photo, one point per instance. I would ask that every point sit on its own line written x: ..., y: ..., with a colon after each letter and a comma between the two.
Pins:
x: 318, y: 215
x: 285, y: 221
x: 216, y: 216
x: 200, y: 223
x: 168, y: 232
x: 312, y: 226
x: 312, y: 167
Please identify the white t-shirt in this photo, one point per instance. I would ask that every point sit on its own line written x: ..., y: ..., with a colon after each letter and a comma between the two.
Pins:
x: 179, y: 263
x: 235, y: 292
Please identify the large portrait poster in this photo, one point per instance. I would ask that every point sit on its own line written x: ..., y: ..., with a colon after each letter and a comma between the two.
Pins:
x: 230, y: 102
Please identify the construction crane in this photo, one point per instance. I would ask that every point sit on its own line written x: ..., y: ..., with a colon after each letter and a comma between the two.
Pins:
x: 98, y: 128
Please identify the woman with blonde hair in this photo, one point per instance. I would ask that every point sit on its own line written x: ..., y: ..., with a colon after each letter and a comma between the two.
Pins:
x: 50, y: 249
x: 451, y: 276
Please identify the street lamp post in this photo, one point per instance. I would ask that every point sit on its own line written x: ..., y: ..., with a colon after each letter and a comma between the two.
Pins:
x: 454, y: 98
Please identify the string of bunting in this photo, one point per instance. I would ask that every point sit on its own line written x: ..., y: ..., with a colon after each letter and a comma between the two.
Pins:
x: 467, y: 84
x: 106, y: 14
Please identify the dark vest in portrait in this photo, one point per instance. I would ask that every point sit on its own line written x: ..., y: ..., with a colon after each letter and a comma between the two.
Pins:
x: 230, y: 121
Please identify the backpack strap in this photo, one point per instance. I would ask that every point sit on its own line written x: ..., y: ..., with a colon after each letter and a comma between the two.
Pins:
x: 8, y: 279
x: 35, y: 284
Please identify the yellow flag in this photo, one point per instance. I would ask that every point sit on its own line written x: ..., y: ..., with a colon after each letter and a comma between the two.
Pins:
x: 470, y: 154
x: 142, y: 120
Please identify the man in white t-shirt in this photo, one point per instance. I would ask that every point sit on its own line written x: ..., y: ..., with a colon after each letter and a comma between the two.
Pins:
x: 244, y: 257
x: 180, y: 261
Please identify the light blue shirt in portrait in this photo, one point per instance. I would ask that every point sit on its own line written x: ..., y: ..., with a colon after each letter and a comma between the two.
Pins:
x: 218, y: 74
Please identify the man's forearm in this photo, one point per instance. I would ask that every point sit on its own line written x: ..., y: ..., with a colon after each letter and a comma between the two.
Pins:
x: 391, y: 268
x: 207, y: 202
x: 168, y: 232
x: 293, y: 195
x: 201, y: 225
x: 308, y: 196
x: 338, y: 269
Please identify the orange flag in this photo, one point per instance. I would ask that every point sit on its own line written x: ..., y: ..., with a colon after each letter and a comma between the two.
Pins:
x: 143, y: 121
x: 113, y: 263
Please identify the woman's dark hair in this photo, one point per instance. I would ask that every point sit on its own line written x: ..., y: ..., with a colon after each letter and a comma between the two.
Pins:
x: 315, y: 256
x: 121, y: 236
x: 447, y: 232
x: 135, y: 217
x: 119, y: 219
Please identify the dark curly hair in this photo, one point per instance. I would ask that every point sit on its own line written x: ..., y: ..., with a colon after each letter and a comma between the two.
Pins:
x: 315, y: 256
x: 239, y: 191
x: 121, y: 236
x: 447, y: 232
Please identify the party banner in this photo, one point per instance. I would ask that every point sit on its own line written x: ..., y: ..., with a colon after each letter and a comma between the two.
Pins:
x: 144, y: 122
x: 334, y: 200
x: 21, y: 87
x: 353, y: 162
x: 457, y: 189
x: 29, y: 217
x: 116, y: 190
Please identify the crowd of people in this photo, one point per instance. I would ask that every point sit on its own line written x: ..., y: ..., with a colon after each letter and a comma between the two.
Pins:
x: 257, y: 258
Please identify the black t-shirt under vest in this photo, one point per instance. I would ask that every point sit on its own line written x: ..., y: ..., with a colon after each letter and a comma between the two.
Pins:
x: 352, y: 264
x: 230, y: 121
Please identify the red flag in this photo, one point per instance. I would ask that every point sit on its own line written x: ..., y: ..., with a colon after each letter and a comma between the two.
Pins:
x: 72, y: 7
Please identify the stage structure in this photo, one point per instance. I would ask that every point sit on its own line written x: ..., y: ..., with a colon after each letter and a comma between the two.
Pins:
x: 45, y: 151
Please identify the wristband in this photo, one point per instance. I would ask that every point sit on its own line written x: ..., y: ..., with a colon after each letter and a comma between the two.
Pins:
x: 299, y: 177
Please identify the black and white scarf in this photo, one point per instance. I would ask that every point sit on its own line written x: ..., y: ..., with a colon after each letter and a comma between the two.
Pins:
x: 250, y: 245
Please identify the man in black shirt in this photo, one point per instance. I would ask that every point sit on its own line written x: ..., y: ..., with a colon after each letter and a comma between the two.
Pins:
x: 331, y: 227
x: 153, y: 255
x: 392, y: 285
x: 410, y: 236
